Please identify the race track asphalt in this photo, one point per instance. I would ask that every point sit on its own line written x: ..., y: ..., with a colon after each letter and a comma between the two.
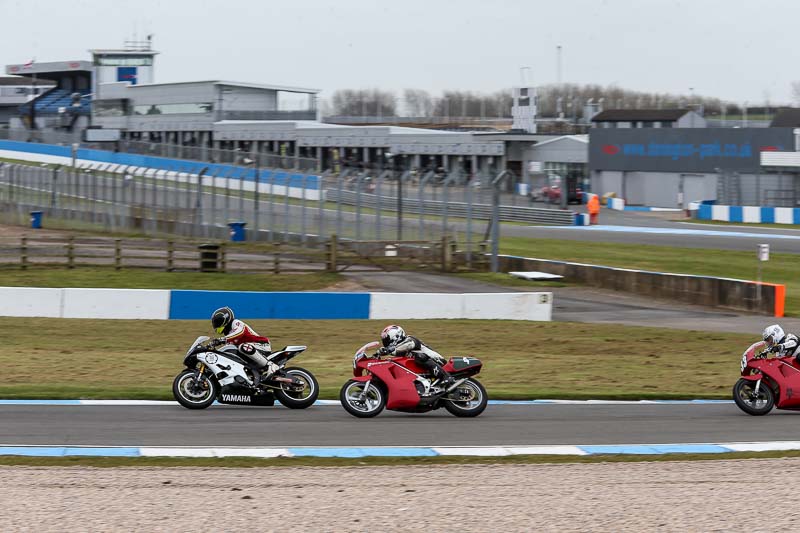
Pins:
x: 538, y: 424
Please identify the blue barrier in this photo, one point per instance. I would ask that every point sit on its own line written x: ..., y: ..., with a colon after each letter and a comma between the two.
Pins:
x: 266, y: 176
x: 749, y: 214
x: 196, y: 305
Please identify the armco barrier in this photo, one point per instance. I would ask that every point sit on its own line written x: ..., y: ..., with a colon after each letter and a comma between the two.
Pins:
x: 742, y: 295
x: 190, y: 305
x: 746, y: 214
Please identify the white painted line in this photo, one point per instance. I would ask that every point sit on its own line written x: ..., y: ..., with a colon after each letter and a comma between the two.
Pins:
x: 545, y: 450
x: 762, y: 446
x: 482, y: 451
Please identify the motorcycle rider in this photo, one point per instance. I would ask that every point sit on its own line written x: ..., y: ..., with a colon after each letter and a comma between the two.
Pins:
x: 252, y: 346
x: 781, y: 343
x: 396, y: 342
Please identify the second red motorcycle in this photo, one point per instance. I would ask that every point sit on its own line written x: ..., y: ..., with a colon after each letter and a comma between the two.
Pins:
x: 767, y: 382
x: 401, y: 384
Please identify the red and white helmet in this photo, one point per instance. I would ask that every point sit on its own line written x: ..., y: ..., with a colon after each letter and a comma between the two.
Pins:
x: 391, y: 335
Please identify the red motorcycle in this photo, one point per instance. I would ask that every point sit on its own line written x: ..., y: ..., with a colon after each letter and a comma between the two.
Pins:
x: 401, y: 384
x: 767, y: 382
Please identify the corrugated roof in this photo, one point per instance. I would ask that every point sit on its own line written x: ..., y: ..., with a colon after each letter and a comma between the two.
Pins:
x: 788, y: 117
x: 630, y: 115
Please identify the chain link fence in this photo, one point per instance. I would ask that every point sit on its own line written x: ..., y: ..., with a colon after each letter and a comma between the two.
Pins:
x: 276, y: 206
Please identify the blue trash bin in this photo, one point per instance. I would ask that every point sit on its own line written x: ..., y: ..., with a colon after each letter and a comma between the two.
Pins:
x: 36, y: 219
x: 237, y: 231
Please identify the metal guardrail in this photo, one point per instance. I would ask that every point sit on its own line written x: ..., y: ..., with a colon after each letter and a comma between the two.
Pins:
x: 508, y: 213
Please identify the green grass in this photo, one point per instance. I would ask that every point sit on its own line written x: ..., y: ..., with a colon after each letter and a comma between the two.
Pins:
x: 138, y: 278
x: 71, y: 358
x: 781, y: 268
x: 316, y: 462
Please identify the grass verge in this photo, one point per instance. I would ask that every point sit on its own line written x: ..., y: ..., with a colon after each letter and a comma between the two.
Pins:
x: 74, y: 358
x: 139, y: 278
x: 781, y: 268
x: 312, y: 462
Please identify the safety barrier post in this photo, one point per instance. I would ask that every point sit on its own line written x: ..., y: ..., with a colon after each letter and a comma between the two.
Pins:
x: 447, y: 258
x: 331, y: 249
x: 223, y: 257
x: 71, y: 252
x: 170, y: 255
x: 23, y: 253
x: 117, y: 254
x: 277, y: 259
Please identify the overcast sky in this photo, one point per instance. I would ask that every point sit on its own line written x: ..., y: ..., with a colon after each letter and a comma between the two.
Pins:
x: 734, y: 49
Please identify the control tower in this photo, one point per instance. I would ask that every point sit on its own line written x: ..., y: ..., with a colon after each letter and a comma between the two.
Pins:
x: 132, y: 64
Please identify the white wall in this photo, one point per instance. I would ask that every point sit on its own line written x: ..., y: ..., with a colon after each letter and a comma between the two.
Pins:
x: 535, y: 306
x: 84, y: 303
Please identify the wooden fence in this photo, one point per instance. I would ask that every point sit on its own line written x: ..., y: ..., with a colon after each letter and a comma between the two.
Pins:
x: 333, y: 255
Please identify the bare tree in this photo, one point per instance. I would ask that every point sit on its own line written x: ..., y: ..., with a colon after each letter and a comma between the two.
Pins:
x: 364, y: 102
x: 795, y: 86
x: 418, y: 103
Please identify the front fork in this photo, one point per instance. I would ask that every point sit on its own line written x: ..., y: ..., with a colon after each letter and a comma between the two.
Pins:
x: 758, y: 387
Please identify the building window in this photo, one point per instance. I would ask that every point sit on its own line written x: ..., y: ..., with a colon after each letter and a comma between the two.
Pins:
x: 123, y: 61
x: 666, y: 124
x: 173, y: 109
x: 647, y: 124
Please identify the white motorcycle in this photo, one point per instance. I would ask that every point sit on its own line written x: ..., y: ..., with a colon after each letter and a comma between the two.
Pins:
x: 222, y: 374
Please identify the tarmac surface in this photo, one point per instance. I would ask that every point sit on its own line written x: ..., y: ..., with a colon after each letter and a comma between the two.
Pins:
x: 499, y: 425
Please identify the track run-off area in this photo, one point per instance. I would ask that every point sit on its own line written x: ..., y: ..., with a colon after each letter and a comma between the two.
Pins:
x: 555, y: 427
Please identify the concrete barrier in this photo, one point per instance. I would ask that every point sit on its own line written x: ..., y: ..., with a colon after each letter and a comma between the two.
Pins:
x: 536, y: 306
x: 116, y: 304
x: 737, y: 294
x: 199, y: 305
x: 30, y: 302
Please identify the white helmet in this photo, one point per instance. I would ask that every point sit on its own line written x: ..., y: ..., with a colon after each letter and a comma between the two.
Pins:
x: 772, y: 334
x: 391, y: 335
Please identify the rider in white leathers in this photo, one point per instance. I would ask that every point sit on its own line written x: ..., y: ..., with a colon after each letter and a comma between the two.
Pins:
x: 781, y: 343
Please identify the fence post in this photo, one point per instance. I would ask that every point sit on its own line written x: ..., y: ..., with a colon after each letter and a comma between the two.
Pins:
x: 277, y: 260
x: 331, y: 249
x: 447, y: 257
x: 223, y: 257
x: 71, y: 252
x: 170, y: 255
x: 117, y: 254
x: 23, y: 252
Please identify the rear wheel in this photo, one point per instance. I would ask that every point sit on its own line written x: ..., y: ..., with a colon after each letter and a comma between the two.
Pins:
x: 298, y: 396
x: 467, y: 400
x: 751, y: 403
x: 194, y: 390
x: 362, y: 400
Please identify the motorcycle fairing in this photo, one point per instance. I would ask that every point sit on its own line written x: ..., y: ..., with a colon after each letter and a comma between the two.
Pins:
x: 398, y: 374
x: 463, y: 366
x: 785, y: 374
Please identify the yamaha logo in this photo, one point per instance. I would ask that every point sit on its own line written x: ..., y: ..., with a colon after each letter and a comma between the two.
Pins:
x: 242, y: 398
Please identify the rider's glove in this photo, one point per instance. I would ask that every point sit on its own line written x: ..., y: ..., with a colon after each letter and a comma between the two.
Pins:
x: 217, y: 342
x: 776, y: 348
x: 383, y: 351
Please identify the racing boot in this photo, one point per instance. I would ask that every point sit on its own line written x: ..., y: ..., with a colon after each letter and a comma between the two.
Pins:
x: 443, y: 378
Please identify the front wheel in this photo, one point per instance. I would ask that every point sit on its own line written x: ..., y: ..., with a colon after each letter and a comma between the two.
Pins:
x: 467, y: 400
x: 298, y: 396
x: 193, y: 390
x: 752, y: 404
x: 362, y: 400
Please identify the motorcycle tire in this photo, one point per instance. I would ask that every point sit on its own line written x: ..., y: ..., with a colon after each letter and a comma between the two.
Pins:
x: 472, y: 407
x: 372, y: 407
x: 189, y: 398
x: 741, y: 395
x: 289, y: 398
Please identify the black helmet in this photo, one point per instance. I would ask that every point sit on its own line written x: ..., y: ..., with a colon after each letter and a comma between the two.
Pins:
x: 222, y: 319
